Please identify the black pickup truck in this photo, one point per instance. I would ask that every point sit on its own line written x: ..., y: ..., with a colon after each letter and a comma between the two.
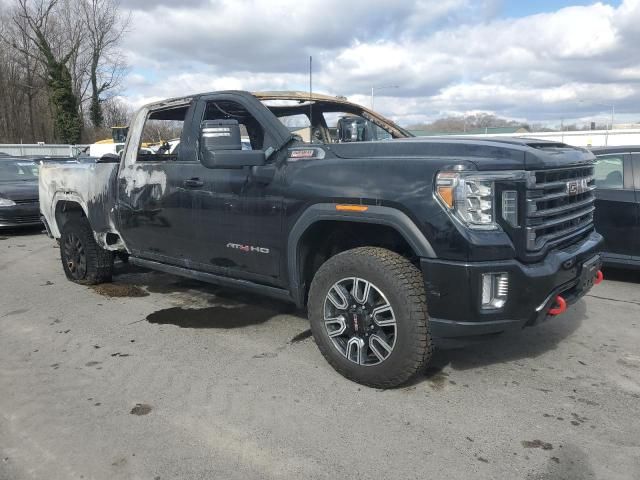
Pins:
x: 391, y: 242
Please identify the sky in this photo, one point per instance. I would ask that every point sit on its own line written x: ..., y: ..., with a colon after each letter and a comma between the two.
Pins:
x: 539, y: 61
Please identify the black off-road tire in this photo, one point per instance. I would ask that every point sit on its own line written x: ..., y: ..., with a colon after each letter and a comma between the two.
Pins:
x: 403, y: 285
x: 77, y: 242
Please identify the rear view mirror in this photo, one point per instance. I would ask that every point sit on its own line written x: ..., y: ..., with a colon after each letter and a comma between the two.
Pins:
x: 221, y: 146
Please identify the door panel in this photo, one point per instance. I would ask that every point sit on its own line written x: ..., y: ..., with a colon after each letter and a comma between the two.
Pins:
x: 155, y: 211
x: 239, y: 226
x: 239, y: 220
x: 154, y: 205
x: 616, y: 208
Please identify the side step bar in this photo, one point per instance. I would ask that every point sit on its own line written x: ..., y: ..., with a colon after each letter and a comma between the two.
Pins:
x: 274, y: 292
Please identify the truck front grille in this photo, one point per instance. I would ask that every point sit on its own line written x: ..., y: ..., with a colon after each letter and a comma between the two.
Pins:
x: 559, y: 205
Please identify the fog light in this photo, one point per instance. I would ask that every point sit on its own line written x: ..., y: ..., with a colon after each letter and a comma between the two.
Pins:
x: 495, y: 288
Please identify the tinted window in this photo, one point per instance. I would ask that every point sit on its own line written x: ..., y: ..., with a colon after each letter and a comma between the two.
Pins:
x: 609, y: 172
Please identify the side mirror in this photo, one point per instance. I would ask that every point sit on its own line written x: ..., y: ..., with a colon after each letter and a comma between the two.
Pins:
x: 221, y: 146
x: 218, y: 135
x: 109, y: 158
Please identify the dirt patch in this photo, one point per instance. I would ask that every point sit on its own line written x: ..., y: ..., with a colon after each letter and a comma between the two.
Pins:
x: 537, y: 444
x: 119, y: 290
x: 141, y: 409
x: 179, y: 286
x: 436, y: 377
x: 301, y: 336
x: 212, y: 317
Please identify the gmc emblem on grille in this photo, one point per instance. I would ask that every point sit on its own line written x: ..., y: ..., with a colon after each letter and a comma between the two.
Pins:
x: 576, y: 187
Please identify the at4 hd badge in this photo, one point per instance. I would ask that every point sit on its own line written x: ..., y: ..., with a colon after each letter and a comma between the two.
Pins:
x: 247, y: 248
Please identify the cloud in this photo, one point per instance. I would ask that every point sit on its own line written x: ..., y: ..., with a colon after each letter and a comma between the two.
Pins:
x: 446, y: 56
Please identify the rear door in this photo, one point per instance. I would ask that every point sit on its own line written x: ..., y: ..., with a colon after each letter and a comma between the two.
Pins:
x: 616, y: 216
x: 154, y: 203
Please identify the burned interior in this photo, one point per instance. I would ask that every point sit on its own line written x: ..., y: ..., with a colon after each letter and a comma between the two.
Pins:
x: 324, y: 119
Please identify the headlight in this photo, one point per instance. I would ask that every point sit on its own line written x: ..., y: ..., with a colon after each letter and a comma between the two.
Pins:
x: 470, y: 197
x: 5, y: 202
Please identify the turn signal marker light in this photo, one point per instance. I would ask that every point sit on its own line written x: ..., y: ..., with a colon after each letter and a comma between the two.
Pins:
x: 445, y: 183
x: 352, y: 208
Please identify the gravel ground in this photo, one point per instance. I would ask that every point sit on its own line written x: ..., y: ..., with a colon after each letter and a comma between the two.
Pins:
x: 157, y: 377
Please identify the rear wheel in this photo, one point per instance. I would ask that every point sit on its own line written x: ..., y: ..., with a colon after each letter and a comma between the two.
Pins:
x: 369, y: 318
x: 83, y: 260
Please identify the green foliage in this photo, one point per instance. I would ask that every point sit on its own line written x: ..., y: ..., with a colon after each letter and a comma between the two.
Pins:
x: 95, y: 111
x: 67, y: 120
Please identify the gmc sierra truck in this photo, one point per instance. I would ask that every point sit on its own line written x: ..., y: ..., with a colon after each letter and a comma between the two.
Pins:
x: 391, y: 242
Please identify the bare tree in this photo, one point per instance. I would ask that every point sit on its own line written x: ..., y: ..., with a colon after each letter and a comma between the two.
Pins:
x: 116, y: 112
x: 43, y: 25
x: 22, y: 85
x: 105, y: 27
x: 58, y: 60
x: 461, y: 124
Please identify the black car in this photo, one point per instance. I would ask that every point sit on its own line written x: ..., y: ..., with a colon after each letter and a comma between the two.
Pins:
x: 19, y: 205
x: 617, y: 215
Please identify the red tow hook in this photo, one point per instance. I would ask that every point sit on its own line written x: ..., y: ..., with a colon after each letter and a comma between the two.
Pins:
x: 599, y: 277
x: 561, y: 306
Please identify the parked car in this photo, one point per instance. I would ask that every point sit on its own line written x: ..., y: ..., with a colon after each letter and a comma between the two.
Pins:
x: 617, y: 216
x: 388, y: 244
x: 19, y: 205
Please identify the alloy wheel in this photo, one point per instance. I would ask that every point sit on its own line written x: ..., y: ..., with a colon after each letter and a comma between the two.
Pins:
x: 360, y: 321
x: 75, y: 256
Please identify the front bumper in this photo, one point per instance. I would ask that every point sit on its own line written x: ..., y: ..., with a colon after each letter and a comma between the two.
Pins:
x: 454, y: 290
x: 20, y: 216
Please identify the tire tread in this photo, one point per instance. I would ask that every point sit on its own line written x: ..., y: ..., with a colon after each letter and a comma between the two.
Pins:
x: 99, y: 260
x: 408, y: 278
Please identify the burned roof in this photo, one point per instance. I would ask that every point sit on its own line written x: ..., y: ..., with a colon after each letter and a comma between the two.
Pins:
x: 301, y: 98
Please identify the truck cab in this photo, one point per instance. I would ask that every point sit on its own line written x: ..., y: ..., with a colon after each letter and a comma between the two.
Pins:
x: 342, y: 212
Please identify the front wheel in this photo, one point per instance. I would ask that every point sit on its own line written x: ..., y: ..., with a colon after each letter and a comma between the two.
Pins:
x: 83, y: 260
x: 368, y: 313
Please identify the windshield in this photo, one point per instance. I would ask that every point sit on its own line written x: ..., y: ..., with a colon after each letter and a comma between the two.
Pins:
x: 332, y: 121
x: 11, y: 171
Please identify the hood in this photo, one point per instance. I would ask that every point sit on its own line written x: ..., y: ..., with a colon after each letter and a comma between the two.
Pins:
x: 19, y: 190
x: 498, y: 153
